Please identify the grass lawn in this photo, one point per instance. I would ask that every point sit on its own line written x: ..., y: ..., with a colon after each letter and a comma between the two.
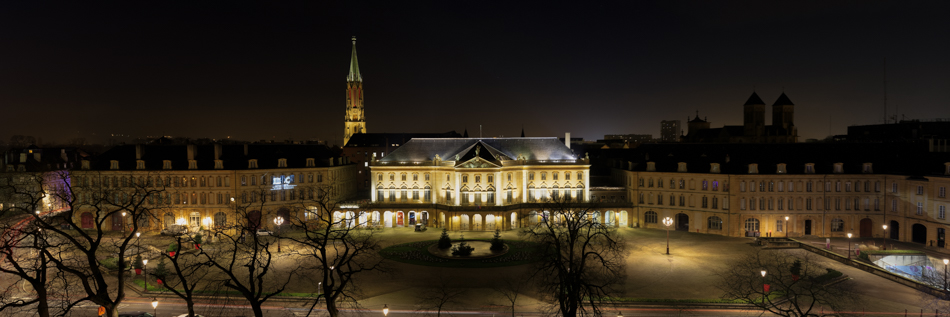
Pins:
x: 519, y: 252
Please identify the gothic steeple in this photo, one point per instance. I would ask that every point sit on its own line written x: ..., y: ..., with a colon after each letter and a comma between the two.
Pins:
x: 355, y: 119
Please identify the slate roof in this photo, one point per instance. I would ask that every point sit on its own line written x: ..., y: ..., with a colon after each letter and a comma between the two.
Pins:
x: 886, y: 158
x: 783, y: 101
x: 267, y: 156
x: 424, y: 149
x: 382, y: 139
x: 754, y: 100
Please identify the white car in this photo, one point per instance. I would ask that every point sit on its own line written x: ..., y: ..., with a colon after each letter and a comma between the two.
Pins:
x: 263, y: 232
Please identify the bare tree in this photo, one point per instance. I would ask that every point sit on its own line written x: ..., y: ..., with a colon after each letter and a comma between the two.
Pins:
x: 187, y: 274
x: 582, y: 261
x: 340, y: 247
x: 510, y: 288
x: 21, y: 245
x: 797, y: 285
x: 935, y: 294
x: 439, y: 295
x: 244, y: 259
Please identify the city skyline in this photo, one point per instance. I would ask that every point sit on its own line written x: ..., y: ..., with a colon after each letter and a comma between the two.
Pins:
x: 279, y: 72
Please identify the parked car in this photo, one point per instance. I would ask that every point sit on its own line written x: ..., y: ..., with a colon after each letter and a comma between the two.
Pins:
x: 135, y: 314
x: 175, y: 230
x: 186, y: 315
x: 263, y: 232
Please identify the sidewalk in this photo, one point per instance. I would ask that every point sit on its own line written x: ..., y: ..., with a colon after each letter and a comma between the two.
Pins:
x: 841, y: 244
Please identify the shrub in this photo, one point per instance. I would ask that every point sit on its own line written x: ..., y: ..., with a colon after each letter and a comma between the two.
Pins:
x: 496, y: 243
x: 137, y: 263
x: 110, y: 263
x: 160, y: 269
x: 172, y: 247
x: 444, y: 241
x: 197, y: 238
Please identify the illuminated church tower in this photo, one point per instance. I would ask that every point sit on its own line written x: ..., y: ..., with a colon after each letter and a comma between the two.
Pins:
x: 355, y: 121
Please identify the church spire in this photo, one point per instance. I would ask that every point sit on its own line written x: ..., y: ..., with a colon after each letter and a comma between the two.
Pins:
x: 354, y: 75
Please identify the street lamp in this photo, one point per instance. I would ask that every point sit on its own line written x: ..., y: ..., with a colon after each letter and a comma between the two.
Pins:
x: 786, y: 227
x: 849, y: 246
x: 385, y: 310
x: 145, y: 269
x: 278, y: 221
x: 154, y: 306
x: 123, y: 222
x: 946, y: 262
x: 765, y: 285
x: 883, y: 237
x: 668, y: 222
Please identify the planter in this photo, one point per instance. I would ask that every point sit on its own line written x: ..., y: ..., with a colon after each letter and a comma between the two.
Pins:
x: 766, y: 288
x: 138, y: 271
x: 795, y: 277
x: 197, y: 246
x: 171, y: 253
x: 158, y: 281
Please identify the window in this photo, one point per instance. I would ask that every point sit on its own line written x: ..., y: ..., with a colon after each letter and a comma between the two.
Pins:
x: 715, y: 185
x: 682, y: 201
x: 781, y: 203
x: 771, y: 186
x: 715, y: 202
x: 837, y: 225
x: 808, y: 186
x: 659, y: 199
x: 742, y: 186
x: 415, y: 177
x: 894, y: 188
x: 682, y: 183
x: 478, y: 178
x: 877, y: 186
x: 426, y: 177
x: 838, y: 186
x: 847, y: 187
x: 491, y: 179
x: 705, y: 202
x: 808, y: 204
x: 920, y: 208
x: 779, y: 225
x: 567, y: 176
x: 544, y: 176
x: 714, y: 223
x: 942, y: 192
x: 465, y: 178
x: 752, y: 225
x: 554, y: 175
x: 942, y: 212
x: 531, y: 176
x: 742, y: 204
x: 705, y: 184
x: 920, y: 190
x: 810, y: 168
x: 651, y: 183
x: 894, y: 205
x: 649, y: 217
x: 402, y: 177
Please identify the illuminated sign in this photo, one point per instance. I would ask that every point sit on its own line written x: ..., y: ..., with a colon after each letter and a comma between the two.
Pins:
x: 282, y: 182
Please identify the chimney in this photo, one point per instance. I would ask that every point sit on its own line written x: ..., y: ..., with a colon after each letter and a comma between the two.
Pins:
x: 138, y: 152
x: 331, y: 161
x: 245, y: 149
x: 62, y: 155
x: 217, y: 151
x: 339, y: 161
x: 191, y: 152
x: 22, y: 157
x: 567, y: 139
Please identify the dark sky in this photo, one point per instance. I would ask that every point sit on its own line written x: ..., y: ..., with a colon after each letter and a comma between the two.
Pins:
x: 277, y: 71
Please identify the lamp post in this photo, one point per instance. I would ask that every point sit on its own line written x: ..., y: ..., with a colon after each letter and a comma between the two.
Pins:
x: 154, y: 306
x: 385, y: 310
x: 123, y: 223
x: 765, y: 286
x: 883, y: 239
x: 786, y: 227
x: 849, y: 246
x: 668, y: 222
x: 278, y: 221
x: 145, y: 270
x: 946, y: 262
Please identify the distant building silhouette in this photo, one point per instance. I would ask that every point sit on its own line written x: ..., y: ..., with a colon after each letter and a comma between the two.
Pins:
x: 753, y: 129
x: 670, y: 130
x: 355, y: 121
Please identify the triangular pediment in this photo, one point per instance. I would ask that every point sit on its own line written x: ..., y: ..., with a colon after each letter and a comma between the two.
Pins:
x: 477, y: 156
x: 477, y: 162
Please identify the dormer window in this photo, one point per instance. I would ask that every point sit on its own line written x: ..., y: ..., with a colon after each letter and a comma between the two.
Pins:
x: 282, y: 162
x: 753, y: 168
x: 85, y: 164
x: 651, y: 166
x: 113, y: 165
x: 810, y: 168
x: 780, y: 169
x: 681, y: 167
x: 218, y: 164
x: 21, y: 168
x: 166, y: 164
x: 10, y: 168
x: 311, y: 162
x: 192, y: 164
x: 140, y: 165
x: 714, y: 168
x: 866, y: 168
x: 252, y: 163
x: 839, y: 168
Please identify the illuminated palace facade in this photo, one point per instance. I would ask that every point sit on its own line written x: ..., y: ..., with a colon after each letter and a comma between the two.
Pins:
x: 825, y: 190
x: 211, y: 185
x: 477, y: 184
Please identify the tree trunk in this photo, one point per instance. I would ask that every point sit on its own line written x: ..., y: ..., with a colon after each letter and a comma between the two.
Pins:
x: 257, y: 310
x: 191, y: 307
x: 42, y: 307
x: 332, y: 310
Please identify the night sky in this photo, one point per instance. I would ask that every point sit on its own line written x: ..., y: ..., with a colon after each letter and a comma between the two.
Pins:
x: 253, y: 72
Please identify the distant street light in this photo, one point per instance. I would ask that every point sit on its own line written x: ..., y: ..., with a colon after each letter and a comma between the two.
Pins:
x: 278, y: 221
x: 765, y: 286
x: 385, y: 310
x: 786, y: 227
x: 668, y: 222
x: 849, y: 246
x: 123, y: 222
x: 946, y: 262
x: 883, y: 237
x: 145, y: 270
x: 154, y: 306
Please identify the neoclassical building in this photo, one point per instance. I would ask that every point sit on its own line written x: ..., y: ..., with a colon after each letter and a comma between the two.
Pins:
x: 477, y: 184
x: 825, y: 190
x: 211, y: 185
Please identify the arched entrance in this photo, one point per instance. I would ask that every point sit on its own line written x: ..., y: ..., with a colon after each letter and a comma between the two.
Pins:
x: 895, y: 228
x: 682, y: 222
x: 118, y: 221
x: 388, y: 219
x: 253, y: 219
x: 751, y: 227
x: 477, y: 222
x: 399, y: 219
x: 623, y: 218
x: 424, y: 218
x: 514, y: 220
x: 168, y: 221
x: 533, y: 218
x: 919, y: 233
x: 465, y: 222
x: 595, y: 217
x: 866, y: 225
x: 610, y: 219
x: 87, y: 223
x: 412, y: 218
x: 376, y: 218
x: 490, y: 222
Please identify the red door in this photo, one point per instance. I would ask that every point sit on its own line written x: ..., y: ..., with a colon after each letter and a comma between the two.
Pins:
x: 117, y: 221
x: 866, y: 228
x: 86, y: 220
x: 399, y: 218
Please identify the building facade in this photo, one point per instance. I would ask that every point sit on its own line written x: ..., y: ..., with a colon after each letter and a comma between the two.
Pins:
x: 753, y: 128
x: 670, y: 130
x: 355, y: 118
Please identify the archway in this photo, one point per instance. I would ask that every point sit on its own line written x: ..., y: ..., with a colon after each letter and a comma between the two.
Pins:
x: 624, y: 220
x: 424, y: 218
x: 682, y: 222
x: 751, y: 227
x: 514, y: 220
x: 118, y: 221
x: 609, y: 219
x: 168, y: 221
x: 533, y: 218
x: 253, y: 219
x: 412, y: 218
x: 388, y: 219
x: 376, y: 218
x: 595, y: 217
x: 465, y: 222
x: 919, y: 233
x: 490, y: 222
x: 866, y: 225
x: 87, y: 223
x: 399, y: 219
x: 477, y: 222
x: 895, y: 228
